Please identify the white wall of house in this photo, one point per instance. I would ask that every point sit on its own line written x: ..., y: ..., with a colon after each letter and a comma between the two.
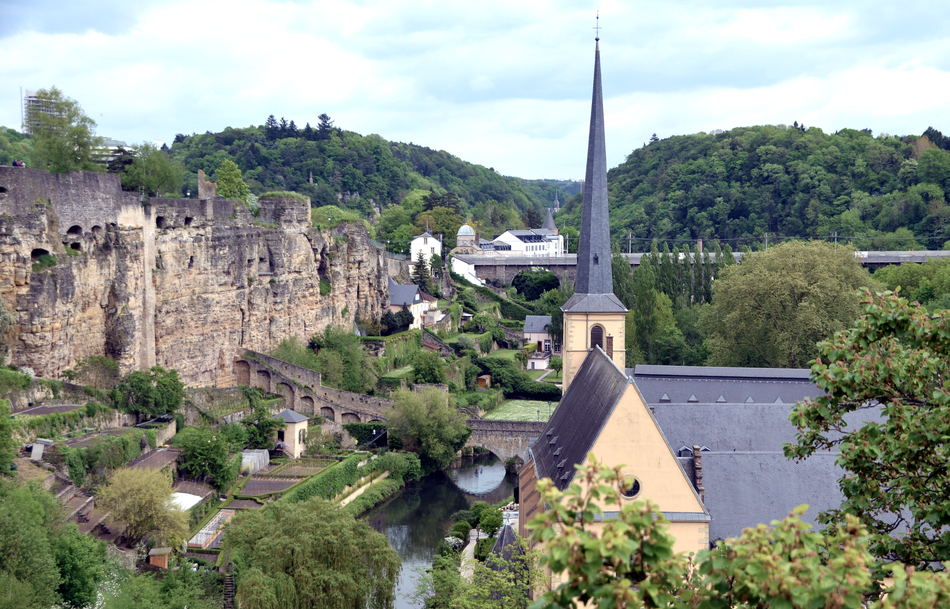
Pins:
x: 466, y: 270
x: 426, y: 245
x: 547, y: 247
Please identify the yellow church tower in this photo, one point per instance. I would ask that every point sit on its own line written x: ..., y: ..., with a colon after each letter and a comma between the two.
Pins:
x: 594, y: 316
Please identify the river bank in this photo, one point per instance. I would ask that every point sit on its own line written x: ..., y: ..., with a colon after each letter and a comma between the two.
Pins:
x: 415, y: 519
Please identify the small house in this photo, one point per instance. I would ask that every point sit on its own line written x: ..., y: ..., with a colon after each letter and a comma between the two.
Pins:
x: 294, y: 435
x: 484, y: 382
x: 158, y: 557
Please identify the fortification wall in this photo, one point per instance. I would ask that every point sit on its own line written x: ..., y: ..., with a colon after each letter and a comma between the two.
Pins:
x: 181, y: 283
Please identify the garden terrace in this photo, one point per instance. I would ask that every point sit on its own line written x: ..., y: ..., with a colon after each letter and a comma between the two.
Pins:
x: 159, y: 459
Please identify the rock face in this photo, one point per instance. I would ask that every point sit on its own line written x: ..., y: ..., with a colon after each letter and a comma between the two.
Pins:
x: 180, y: 283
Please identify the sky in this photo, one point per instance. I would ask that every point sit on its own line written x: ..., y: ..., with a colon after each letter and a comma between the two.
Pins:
x: 505, y: 84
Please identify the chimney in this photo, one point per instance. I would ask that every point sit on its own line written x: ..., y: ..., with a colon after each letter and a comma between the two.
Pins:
x: 699, y: 246
x: 698, y: 472
x: 610, y: 346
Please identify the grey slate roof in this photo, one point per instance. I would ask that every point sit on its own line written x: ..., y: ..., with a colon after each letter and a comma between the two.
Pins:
x: 549, y: 222
x: 400, y: 295
x: 578, y: 419
x: 594, y: 303
x: 536, y: 324
x: 532, y: 235
x: 290, y: 416
x: 744, y: 489
x: 506, y: 547
x: 709, y: 385
x: 593, y: 254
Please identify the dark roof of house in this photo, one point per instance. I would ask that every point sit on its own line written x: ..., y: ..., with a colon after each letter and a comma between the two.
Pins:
x: 577, y: 421
x: 744, y: 489
x: 532, y: 235
x: 403, y: 295
x: 691, y: 385
x: 549, y: 220
x: 594, y: 303
x: 594, y: 274
x: 536, y: 323
x: 290, y: 416
x: 725, y: 427
x: 506, y: 547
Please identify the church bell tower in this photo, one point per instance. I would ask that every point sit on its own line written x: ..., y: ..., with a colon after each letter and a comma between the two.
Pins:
x: 594, y: 317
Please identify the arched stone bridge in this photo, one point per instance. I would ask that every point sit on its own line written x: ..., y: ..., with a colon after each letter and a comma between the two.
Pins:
x: 505, y: 439
x: 302, y: 390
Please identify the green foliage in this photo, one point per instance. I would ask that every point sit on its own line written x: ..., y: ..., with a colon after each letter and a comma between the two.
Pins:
x: 740, y: 184
x: 64, y: 139
x: 428, y: 367
x: 98, y: 371
x: 428, y: 423
x: 15, y: 146
x: 108, y: 453
x: 179, y: 589
x: 327, y: 484
x: 206, y: 453
x: 508, y: 375
x: 773, y: 308
x: 556, y: 364
x: 310, y: 554
x: 532, y: 283
x: 628, y: 560
x: 485, y: 343
x: 259, y: 425
x: 283, y: 194
x: 400, y: 465
x: 8, y: 448
x: 461, y: 530
x: 897, y: 356
x: 43, y: 262
x: 81, y: 560
x: 292, y: 351
x: 230, y: 184
x: 153, y: 172
x: 141, y: 498
x: 483, y: 548
x: 342, y: 361
x: 325, y: 287
x: 373, y: 496
x: 362, y: 432
x: 152, y: 393
x: 490, y: 520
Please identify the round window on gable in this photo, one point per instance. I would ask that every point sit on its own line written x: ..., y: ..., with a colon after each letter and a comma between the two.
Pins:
x: 630, y: 487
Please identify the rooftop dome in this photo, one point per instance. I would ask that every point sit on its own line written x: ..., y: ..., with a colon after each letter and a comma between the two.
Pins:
x: 465, y: 229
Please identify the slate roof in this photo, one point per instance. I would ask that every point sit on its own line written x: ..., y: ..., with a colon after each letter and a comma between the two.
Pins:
x: 506, y: 546
x: 578, y: 419
x: 549, y: 222
x: 747, y: 488
x: 290, y: 416
x: 532, y: 235
x: 594, y: 274
x: 400, y: 295
x: 710, y: 385
x: 536, y: 324
x: 594, y: 303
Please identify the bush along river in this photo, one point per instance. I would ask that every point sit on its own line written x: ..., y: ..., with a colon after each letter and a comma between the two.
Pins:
x: 418, y: 517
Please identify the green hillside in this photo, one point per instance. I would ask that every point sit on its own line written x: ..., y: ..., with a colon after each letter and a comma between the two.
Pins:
x: 883, y: 192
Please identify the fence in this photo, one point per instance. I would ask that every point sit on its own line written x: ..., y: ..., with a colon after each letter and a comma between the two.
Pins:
x: 389, y: 254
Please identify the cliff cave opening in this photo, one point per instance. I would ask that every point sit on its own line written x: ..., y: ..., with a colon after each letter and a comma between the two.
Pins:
x: 35, y: 254
x: 188, y: 220
x: 74, y: 230
x: 97, y: 230
x: 76, y: 246
x: 160, y: 221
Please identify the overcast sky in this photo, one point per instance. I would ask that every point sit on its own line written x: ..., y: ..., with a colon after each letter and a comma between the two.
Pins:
x: 505, y: 84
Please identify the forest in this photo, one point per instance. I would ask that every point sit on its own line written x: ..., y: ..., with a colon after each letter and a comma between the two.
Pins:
x: 736, y: 186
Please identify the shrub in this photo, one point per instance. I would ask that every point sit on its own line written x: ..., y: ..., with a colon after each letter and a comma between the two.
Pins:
x: 483, y: 547
x: 328, y: 483
x: 362, y: 432
x: 485, y: 343
x: 461, y: 530
x: 465, y: 515
x: 325, y: 287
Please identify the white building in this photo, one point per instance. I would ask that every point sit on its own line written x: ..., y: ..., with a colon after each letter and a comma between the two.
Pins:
x: 530, y: 242
x: 426, y: 244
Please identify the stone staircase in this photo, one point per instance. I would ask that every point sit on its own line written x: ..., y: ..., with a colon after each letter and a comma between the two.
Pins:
x: 229, y: 590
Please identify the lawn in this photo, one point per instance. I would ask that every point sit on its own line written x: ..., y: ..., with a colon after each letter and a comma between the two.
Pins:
x: 535, y: 373
x: 522, y: 410
x: 503, y: 353
x: 554, y: 377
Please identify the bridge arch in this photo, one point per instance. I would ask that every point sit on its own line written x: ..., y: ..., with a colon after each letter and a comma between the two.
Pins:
x: 326, y: 411
x: 306, y: 404
x: 242, y: 372
x: 349, y: 417
x: 262, y: 380
x: 287, y: 392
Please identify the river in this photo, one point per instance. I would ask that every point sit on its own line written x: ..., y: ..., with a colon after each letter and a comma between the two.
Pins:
x: 419, y: 516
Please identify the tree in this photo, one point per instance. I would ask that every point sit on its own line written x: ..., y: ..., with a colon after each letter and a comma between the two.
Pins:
x: 261, y: 427
x: 153, y: 172
x: 180, y: 588
x: 152, y: 393
x: 500, y: 583
x: 556, y: 364
x: 81, y: 560
x: 142, y: 499
x: 428, y: 423
x: 893, y: 362
x: 628, y: 559
x: 324, y: 127
x: 121, y: 160
x: 271, y: 128
x: 773, y: 308
x: 428, y: 367
x: 8, y: 447
x: 532, y: 218
x: 436, y: 266
x: 310, y: 554
x: 550, y: 303
x: 490, y: 520
x: 99, y: 371
x: 230, y: 184
x: 643, y: 315
x: 206, y: 453
x: 534, y: 282
x: 64, y: 137
x: 654, y: 138
x: 420, y: 274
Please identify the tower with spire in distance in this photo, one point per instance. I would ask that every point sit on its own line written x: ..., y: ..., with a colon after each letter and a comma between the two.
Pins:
x: 593, y: 316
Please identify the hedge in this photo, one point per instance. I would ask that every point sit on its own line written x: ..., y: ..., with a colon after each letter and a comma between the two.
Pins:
x: 111, y: 453
x: 362, y: 432
x: 373, y: 495
x: 483, y: 548
x: 337, y: 478
x: 515, y: 381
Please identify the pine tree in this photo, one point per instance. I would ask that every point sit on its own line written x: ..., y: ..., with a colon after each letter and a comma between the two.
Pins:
x: 284, y: 128
x: 420, y: 274
x: 271, y: 129
x: 325, y: 127
x: 292, y: 130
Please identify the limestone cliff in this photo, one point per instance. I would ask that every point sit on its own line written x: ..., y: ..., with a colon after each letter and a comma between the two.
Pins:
x: 183, y: 284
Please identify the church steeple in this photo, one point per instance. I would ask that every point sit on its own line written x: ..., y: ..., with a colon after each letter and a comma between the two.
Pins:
x: 593, y: 316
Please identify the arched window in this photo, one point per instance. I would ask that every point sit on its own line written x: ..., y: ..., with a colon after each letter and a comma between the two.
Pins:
x: 301, y: 436
x: 597, y: 337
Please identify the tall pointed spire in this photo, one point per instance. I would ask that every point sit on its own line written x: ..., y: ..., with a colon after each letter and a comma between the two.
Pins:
x: 594, y: 286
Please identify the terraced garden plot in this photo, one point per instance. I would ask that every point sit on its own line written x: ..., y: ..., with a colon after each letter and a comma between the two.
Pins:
x: 522, y: 410
x: 300, y: 471
x: 263, y: 486
x: 244, y: 504
x: 398, y: 373
x: 503, y: 354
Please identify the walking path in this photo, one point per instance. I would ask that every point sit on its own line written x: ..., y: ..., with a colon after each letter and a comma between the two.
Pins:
x: 362, y: 489
x: 468, y: 555
x: 544, y: 376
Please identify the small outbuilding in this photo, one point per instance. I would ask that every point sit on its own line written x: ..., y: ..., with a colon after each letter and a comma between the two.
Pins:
x: 484, y: 382
x: 159, y: 557
x: 294, y: 435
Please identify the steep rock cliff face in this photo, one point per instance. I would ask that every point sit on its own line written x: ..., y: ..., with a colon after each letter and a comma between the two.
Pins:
x: 184, y: 284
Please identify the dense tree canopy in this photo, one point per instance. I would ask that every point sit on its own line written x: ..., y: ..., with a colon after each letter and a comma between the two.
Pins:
x: 310, y: 554
x: 153, y: 172
x: 153, y: 392
x: 745, y: 182
x: 64, y: 137
x: 142, y: 499
x: 895, y: 362
x: 773, y: 308
x: 429, y: 424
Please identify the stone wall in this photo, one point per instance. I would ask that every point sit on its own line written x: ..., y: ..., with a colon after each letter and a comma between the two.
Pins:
x: 186, y: 284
